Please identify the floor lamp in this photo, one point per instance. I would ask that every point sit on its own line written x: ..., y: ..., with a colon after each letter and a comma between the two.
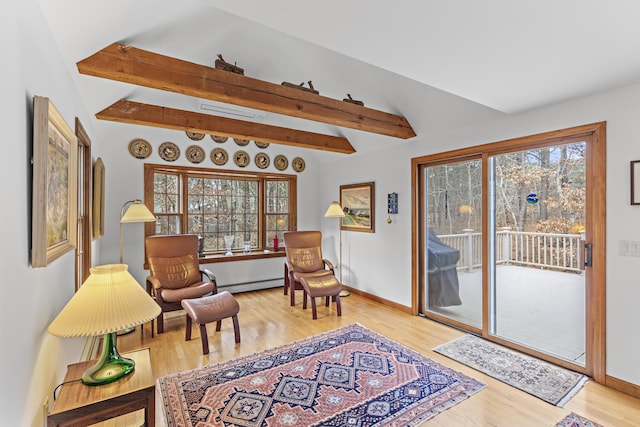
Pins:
x: 335, y: 211
x: 133, y: 211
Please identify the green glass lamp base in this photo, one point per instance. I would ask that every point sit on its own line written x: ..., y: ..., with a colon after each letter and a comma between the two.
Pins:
x: 110, y: 366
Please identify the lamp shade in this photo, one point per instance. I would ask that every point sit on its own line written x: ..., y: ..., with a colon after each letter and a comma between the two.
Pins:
x: 109, y: 300
x: 137, y: 212
x: 334, y: 210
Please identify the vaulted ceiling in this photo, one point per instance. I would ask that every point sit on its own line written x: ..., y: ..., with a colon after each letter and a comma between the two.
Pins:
x: 437, y: 63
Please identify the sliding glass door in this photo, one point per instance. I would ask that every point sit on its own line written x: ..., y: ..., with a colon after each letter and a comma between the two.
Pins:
x: 509, y: 243
x: 537, y: 229
x: 453, y: 250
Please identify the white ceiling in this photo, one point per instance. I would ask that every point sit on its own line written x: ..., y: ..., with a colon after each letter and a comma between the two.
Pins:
x: 424, y: 59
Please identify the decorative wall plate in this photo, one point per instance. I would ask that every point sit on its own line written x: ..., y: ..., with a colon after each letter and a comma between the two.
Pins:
x: 281, y: 162
x: 219, y: 139
x: 262, y: 144
x: 140, y: 148
x: 298, y: 164
x: 195, y: 154
x: 241, y: 158
x: 219, y: 156
x: 262, y: 160
x: 169, y: 151
x: 196, y: 136
x: 242, y: 142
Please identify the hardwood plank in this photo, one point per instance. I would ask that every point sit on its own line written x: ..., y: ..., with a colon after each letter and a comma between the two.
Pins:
x: 267, y: 320
x: 140, y: 67
x: 131, y: 112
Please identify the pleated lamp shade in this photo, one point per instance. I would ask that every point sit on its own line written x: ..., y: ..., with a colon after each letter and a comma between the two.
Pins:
x: 110, y: 300
x: 334, y: 210
x: 137, y: 212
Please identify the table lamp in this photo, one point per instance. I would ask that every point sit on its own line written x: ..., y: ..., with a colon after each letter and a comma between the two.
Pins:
x: 335, y: 211
x: 110, y: 300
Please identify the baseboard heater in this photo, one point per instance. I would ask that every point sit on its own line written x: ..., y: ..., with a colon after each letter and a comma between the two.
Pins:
x: 252, y: 286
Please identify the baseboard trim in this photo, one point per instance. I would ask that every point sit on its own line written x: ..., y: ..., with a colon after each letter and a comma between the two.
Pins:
x: 376, y: 298
x: 623, y: 386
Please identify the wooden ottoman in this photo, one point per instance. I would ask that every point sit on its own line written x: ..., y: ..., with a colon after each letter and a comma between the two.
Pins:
x: 324, y: 286
x: 209, y: 309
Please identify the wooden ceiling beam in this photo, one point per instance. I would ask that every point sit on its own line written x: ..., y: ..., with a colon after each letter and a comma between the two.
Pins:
x: 140, y: 67
x: 131, y: 112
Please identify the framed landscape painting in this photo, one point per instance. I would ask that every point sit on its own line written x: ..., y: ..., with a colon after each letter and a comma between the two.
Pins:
x: 358, y: 204
x: 54, y: 194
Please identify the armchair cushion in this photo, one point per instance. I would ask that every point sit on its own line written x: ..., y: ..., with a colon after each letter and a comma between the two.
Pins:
x: 317, y: 275
x: 196, y: 290
x: 176, y: 272
x: 305, y: 259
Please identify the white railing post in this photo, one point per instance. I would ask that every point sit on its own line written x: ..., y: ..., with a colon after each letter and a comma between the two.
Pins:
x: 506, y: 245
x: 468, y: 248
x: 583, y: 237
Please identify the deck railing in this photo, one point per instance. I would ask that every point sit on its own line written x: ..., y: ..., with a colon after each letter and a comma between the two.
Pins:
x: 541, y: 250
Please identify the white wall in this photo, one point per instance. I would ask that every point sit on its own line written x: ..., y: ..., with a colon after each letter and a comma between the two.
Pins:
x: 33, y: 361
x: 380, y: 263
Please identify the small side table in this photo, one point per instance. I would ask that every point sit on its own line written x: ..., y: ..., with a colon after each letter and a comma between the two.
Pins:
x: 81, y: 405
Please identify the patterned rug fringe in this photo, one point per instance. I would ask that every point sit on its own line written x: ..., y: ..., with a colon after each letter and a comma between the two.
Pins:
x: 551, y: 383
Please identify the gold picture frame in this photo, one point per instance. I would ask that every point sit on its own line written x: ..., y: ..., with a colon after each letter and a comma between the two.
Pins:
x: 54, y: 194
x: 358, y: 204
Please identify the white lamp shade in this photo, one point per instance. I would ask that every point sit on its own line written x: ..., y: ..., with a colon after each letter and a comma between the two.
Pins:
x: 334, y: 210
x: 137, y: 212
x: 110, y: 300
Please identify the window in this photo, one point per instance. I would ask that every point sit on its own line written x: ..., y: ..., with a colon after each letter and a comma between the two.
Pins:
x: 253, y: 207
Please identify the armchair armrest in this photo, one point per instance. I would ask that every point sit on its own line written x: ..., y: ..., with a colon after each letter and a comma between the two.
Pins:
x: 212, y: 278
x: 329, y: 265
x: 154, y: 282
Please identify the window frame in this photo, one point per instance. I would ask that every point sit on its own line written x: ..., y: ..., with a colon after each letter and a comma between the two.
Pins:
x: 265, y: 244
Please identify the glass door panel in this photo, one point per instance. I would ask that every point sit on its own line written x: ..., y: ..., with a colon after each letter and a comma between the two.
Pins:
x: 452, y: 286
x: 537, y: 220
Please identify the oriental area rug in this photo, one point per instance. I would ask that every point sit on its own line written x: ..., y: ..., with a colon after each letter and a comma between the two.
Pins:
x: 551, y: 383
x: 350, y: 376
x: 575, y: 420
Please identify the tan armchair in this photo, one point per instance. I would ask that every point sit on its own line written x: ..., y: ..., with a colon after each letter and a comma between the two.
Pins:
x: 175, y: 273
x: 304, y: 259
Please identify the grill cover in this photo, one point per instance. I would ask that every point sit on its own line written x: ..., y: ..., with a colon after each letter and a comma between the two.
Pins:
x: 444, y: 289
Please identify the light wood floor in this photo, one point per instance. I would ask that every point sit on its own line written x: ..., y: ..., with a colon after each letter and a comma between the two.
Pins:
x: 267, y: 320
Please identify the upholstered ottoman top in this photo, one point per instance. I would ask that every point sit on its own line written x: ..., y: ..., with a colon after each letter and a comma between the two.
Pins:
x: 212, y: 308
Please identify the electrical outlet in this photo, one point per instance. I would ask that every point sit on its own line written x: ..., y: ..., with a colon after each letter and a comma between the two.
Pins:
x: 629, y: 248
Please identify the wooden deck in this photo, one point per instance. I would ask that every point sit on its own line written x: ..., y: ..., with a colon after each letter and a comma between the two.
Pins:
x: 538, y: 308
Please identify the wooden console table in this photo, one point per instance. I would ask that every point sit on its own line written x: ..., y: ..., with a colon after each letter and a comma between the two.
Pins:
x: 82, y: 405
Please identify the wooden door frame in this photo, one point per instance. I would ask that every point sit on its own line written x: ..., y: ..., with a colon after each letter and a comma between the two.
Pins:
x: 595, y: 277
x: 85, y: 180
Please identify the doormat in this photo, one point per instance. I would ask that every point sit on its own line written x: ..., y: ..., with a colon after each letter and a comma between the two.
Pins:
x: 575, y: 420
x: 349, y: 376
x: 544, y: 380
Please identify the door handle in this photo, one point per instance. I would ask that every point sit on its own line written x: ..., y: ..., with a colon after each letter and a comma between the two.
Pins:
x: 586, y: 249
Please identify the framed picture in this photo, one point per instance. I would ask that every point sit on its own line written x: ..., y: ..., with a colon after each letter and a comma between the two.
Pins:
x: 358, y: 204
x: 635, y: 182
x: 54, y: 194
